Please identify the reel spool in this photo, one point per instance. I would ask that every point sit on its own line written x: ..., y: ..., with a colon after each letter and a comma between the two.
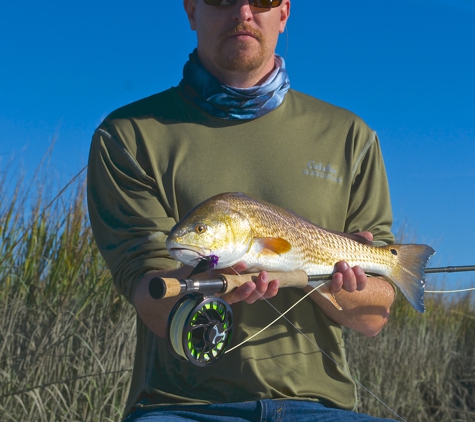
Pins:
x: 199, y: 329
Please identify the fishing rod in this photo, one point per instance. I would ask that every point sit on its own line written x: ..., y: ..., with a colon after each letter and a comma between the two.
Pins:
x: 161, y: 287
x: 450, y: 269
x: 200, y: 325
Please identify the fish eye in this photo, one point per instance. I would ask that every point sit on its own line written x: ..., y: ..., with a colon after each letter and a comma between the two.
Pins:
x: 200, y: 228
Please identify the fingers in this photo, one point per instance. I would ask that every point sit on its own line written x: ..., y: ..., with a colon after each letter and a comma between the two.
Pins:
x: 347, y: 278
x: 366, y: 235
x: 250, y: 292
x: 264, y: 288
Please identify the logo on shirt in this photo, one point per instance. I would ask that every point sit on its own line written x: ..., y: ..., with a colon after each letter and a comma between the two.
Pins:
x: 323, y: 171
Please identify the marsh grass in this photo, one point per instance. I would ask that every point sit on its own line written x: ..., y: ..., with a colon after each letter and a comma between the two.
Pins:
x: 421, y: 366
x: 67, y: 339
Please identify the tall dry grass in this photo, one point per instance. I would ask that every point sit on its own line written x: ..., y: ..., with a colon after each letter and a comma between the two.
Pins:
x: 67, y: 339
x: 421, y: 366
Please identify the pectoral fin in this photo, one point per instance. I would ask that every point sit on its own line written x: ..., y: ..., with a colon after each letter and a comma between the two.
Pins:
x: 273, y: 245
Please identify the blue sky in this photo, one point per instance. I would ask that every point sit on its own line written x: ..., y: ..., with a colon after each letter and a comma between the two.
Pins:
x: 406, y: 67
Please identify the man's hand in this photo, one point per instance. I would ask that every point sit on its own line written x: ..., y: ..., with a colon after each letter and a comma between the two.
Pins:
x: 249, y: 292
x: 347, y: 278
x: 365, y: 301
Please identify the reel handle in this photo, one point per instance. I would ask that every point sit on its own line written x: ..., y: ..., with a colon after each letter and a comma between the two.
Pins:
x: 162, y: 287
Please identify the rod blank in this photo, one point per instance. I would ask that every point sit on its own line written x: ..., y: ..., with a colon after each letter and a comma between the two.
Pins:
x: 450, y: 269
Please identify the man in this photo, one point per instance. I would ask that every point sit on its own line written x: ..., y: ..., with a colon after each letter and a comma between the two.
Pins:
x: 234, y: 125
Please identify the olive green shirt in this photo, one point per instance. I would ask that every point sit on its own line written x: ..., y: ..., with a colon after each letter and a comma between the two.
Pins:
x: 153, y: 160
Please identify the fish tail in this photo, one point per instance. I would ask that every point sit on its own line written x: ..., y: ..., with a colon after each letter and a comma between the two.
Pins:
x: 408, y: 274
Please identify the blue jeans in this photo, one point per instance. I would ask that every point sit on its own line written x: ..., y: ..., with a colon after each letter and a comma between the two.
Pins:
x: 255, y: 411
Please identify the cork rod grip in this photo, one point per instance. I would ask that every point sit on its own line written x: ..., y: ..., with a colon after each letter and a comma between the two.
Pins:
x: 286, y: 279
x: 170, y: 287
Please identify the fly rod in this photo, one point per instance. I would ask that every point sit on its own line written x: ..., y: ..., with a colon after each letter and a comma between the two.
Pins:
x: 162, y: 287
x: 200, y: 325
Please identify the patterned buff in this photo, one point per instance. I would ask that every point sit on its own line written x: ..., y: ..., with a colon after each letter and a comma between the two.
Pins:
x: 226, y: 102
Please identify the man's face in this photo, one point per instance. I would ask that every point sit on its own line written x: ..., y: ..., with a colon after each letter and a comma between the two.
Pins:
x: 237, y: 38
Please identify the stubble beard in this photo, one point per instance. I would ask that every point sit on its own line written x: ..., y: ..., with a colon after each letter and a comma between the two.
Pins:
x: 240, y: 59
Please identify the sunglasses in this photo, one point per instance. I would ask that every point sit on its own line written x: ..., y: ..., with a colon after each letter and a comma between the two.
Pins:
x: 265, y: 4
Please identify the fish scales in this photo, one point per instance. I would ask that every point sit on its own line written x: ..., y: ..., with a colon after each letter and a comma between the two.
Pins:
x: 236, y: 228
x: 317, y: 249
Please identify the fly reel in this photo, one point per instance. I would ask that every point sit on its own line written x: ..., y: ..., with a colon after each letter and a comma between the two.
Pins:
x: 199, y: 329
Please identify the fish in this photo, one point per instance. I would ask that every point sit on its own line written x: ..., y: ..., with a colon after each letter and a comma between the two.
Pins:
x: 234, y: 227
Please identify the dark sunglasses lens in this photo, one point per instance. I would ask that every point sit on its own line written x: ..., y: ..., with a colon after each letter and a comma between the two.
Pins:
x: 255, y: 3
x: 265, y: 3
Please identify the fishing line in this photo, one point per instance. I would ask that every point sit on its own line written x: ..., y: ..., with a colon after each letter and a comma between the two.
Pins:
x: 282, y: 315
x: 328, y: 356
x: 451, y: 269
x: 451, y: 291
x: 176, y: 326
x: 199, y: 329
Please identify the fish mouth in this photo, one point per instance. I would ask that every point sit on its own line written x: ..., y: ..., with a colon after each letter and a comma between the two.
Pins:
x: 188, y: 255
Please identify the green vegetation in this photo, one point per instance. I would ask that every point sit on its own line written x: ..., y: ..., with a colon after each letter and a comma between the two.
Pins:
x: 67, y: 339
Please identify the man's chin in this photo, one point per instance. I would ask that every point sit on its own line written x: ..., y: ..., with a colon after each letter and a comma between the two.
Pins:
x: 241, y: 62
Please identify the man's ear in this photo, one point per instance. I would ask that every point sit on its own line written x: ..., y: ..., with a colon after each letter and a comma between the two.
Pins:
x: 190, y: 8
x: 284, y: 15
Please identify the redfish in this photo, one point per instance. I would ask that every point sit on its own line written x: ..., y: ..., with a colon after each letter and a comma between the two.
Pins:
x: 233, y: 227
